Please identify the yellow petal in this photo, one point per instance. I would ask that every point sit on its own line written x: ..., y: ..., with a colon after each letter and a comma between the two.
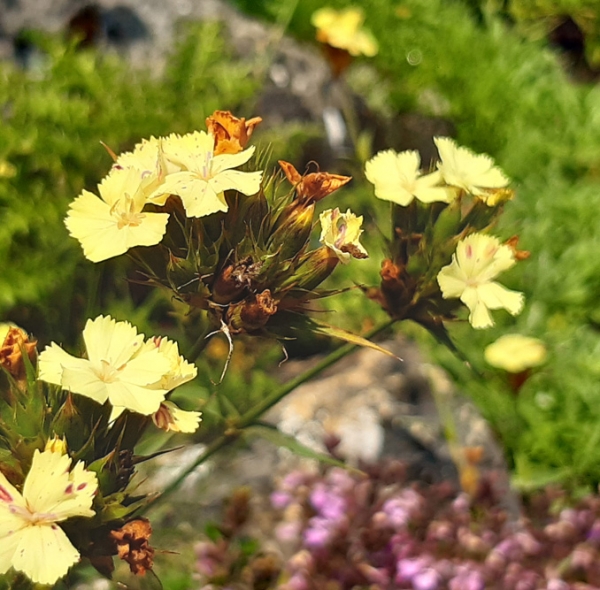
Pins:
x: 197, y: 196
x: 52, y: 361
x: 172, y: 418
x: 44, y: 553
x: 111, y: 341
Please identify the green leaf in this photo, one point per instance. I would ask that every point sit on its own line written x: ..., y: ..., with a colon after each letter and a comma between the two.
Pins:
x: 334, y: 332
x: 280, y: 439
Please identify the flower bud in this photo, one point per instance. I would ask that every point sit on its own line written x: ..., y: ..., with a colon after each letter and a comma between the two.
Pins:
x: 56, y: 445
x: 293, y: 230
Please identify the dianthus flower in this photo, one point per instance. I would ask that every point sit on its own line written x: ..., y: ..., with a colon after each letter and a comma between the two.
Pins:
x: 343, y: 29
x: 204, y: 176
x: 478, y: 260
x: 474, y: 173
x: 120, y: 368
x: 397, y: 178
x: 341, y: 232
x: 110, y: 225
x: 30, y: 539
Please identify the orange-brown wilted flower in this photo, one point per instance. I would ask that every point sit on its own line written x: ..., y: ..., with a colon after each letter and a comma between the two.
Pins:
x: 15, y: 343
x: 231, y: 134
x: 315, y: 186
x: 133, y: 547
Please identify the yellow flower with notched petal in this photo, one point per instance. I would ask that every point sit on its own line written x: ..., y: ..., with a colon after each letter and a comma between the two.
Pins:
x: 516, y: 353
x: 110, y: 225
x: 474, y: 173
x: 180, y: 370
x: 203, y: 177
x: 30, y: 539
x: 343, y: 29
x: 170, y: 417
x: 478, y: 260
x: 340, y: 232
x: 118, y: 368
x: 397, y: 178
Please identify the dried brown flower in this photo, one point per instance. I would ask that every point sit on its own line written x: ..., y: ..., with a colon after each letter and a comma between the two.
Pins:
x: 16, y: 342
x: 315, y: 186
x: 133, y: 547
x: 231, y: 134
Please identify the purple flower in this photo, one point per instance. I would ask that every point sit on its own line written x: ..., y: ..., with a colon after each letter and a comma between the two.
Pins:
x: 327, y: 503
x: 280, y: 500
x: 409, y: 567
x: 319, y: 533
x: 427, y: 579
x: 467, y: 579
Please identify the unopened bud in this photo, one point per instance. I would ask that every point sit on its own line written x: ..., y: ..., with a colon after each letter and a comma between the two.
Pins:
x: 293, y: 230
x: 57, y: 445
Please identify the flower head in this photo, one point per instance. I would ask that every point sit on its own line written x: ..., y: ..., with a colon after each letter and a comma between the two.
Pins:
x: 110, y: 225
x: 341, y: 232
x: 515, y: 353
x: 397, y: 178
x: 478, y: 260
x: 30, y: 539
x: 343, y: 29
x: 119, y: 368
x: 474, y: 173
x: 204, y: 176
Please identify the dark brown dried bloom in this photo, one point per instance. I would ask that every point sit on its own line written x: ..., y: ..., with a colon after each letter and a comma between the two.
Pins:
x: 133, y: 547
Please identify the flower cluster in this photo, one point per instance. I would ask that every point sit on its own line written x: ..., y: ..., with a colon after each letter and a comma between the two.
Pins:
x: 440, y: 250
x: 381, y: 532
x: 67, y: 452
x: 197, y: 167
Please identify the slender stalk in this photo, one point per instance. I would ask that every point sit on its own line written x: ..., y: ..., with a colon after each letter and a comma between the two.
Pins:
x: 253, y: 415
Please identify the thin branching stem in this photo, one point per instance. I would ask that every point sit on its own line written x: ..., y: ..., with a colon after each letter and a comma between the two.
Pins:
x: 252, y: 416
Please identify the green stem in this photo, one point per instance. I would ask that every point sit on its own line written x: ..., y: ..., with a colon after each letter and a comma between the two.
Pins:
x: 197, y: 348
x: 252, y: 416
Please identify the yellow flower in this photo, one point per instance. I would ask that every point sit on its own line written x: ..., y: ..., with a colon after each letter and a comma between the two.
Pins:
x: 180, y: 371
x: 343, y: 29
x: 479, y: 259
x: 203, y: 176
x: 118, y: 368
x: 474, y: 173
x: 397, y: 178
x: 30, y: 539
x: 109, y: 226
x: 170, y: 417
x: 515, y: 353
x: 340, y: 232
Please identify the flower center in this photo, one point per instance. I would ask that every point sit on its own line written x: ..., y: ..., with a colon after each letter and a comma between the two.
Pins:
x: 106, y: 372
